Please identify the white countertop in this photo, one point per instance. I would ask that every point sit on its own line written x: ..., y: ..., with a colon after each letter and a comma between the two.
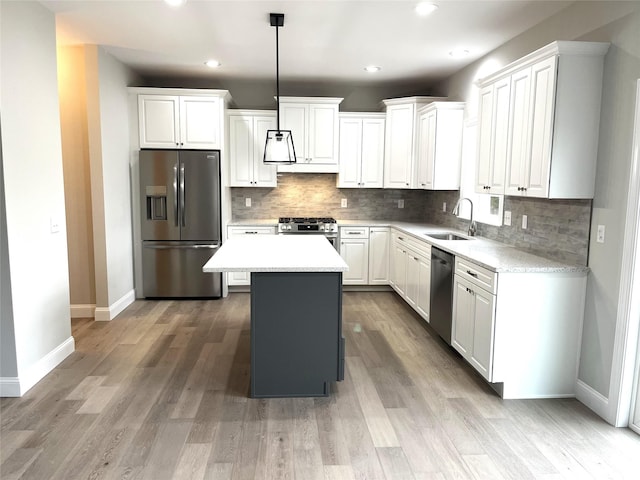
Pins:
x: 490, y: 254
x: 276, y: 253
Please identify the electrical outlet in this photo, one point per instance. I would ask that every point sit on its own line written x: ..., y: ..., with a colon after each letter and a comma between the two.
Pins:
x: 343, y: 203
x: 444, y: 206
x: 525, y: 222
x: 507, y: 217
x: 247, y: 202
x: 400, y: 203
x: 600, y: 236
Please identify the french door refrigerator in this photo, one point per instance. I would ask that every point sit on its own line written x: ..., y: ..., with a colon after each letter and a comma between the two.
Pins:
x: 180, y: 222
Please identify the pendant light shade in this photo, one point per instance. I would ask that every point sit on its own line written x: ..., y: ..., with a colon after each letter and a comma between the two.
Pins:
x: 279, y: 145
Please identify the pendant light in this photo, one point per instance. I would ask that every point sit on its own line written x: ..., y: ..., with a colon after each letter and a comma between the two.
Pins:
x: 279, y: 145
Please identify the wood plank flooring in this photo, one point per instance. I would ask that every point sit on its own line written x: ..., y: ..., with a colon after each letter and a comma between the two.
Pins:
x: 161, y: 393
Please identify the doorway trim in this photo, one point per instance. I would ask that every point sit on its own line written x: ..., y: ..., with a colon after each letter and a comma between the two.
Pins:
x: 625, y: 348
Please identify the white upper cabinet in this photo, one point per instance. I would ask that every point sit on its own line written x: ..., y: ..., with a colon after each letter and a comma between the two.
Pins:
x: 550, y: 102
x: 401, y: 142
x: 313, y: 122
x: 440, y: 127
x: 247, y: 137
x: 361, y: 150
x: 181, y: 121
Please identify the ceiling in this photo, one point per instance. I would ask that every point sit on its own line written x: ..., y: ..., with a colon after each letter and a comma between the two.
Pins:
x: 322, y: 40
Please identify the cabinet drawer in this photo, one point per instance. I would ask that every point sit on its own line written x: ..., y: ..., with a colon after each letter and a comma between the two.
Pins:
x: 480, y: 276
x: 249, y: 230
x: 419, y: 247
x: 354, y: 232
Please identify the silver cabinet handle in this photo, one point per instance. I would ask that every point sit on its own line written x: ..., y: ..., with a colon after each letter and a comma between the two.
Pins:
x: 475, y: 275
x: 354, y: 233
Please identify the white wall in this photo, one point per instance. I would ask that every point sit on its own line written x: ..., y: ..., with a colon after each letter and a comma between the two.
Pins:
x: 34, y: 192
x: 617, y: 23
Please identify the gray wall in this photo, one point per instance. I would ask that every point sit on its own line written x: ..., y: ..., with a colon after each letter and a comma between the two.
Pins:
x: 8, y: 365
x: 593, y: 21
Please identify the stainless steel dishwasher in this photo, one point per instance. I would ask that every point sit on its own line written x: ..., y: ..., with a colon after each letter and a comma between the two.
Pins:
x: 441, y: 292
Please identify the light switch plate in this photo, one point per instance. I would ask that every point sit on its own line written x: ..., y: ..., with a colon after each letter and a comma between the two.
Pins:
x: 400, y: 203
x: 507, y: 217
x: 54, y: 224
x: 525, y: 222
x: 247, y: 202
x: 343, y: 203
x: 600, y: 236
x: 444, y: 206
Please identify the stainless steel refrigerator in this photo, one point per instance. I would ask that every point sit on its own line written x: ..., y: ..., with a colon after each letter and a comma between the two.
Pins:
x: 180, y: 222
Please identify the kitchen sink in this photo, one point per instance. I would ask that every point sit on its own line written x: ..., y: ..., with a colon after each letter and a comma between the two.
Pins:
x: 446, y: 236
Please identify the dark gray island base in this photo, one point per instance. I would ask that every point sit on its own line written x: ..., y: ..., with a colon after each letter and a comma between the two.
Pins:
x: 297, y: 348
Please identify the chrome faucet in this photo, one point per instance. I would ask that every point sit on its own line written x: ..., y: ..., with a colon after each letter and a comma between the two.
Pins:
x: 472, y: 225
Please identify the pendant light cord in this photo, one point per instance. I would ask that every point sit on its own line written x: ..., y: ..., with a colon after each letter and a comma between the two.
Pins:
x: 277, y: 82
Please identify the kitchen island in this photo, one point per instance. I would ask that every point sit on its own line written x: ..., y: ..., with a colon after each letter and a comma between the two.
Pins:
x: 297, y: 348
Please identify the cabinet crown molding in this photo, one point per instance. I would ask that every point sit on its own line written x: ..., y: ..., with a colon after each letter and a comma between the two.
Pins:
x: 441, y: 106
x: 408, y: 100
x: 362, y: 115
x: 314, y: 100
x: 200, y: 92
x: 559, y: 47
x: 241, y: 112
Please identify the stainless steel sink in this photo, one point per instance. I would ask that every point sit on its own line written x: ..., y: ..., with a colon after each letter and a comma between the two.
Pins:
x: 446, y: 236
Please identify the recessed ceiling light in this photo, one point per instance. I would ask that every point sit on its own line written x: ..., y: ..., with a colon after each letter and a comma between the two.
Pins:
x: 175, y: 3
x: 459, y: 53
x: 425, y: 8
x: 212, y: 63
x: 372, y: 68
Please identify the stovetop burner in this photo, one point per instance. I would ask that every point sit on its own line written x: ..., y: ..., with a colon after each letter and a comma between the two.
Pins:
x: 306, y: 220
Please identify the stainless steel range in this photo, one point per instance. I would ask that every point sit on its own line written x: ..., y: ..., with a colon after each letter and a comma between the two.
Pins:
x: 310, y: 226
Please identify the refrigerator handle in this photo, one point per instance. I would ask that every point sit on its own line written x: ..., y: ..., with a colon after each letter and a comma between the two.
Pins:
x: 182, y: 195
x: 175, y: 193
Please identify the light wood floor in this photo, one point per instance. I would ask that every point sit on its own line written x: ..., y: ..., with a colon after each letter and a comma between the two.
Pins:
x: 161, y: 392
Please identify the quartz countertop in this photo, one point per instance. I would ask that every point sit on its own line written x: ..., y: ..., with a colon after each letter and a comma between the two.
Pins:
x: 276, y: 253
x: 495, y: 256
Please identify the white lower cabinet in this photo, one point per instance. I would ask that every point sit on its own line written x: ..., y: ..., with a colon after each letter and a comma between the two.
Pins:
x: 474, y: 320
x: 244, y: 278
x: 379, y: 243
x: 519, y: 330
x: 411, y: 272
x: 355, y: 251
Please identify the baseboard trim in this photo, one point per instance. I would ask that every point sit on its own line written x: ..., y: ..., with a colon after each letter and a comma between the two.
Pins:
x: 82, y: 311
x: 18, y: 386
x: 106, y: 314
x: 594, y: 400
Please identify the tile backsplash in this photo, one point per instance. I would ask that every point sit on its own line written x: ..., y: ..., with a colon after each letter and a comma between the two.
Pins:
x: 557, y: 229
x: 316, y: 195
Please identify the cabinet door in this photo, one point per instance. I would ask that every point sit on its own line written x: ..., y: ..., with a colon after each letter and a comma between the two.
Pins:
x: 518, y: 132
x: 483, y: 332
x: 159, y: 124
x: 426, y: 149
x: 372, y: 153
x: 263, y: 175
x: 424, y: 287
x: 355, y: 253
x: 323, y: 134
x: 413, y: 273
x: 200, y: 122
x: 463, y: 313
x: 501, y: 98
x: 398, y: 162
x: 485, y: 139
x: 349, y: 175
x: 241, y: 151
x: 399, y: 270
x: 295, y: 117
x: 379, y: 256
x: 543, y: 79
